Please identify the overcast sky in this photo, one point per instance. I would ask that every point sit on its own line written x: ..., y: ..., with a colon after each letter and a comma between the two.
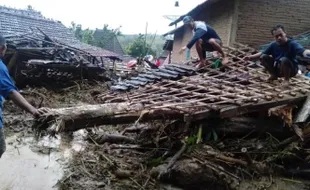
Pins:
x: 132, y: 15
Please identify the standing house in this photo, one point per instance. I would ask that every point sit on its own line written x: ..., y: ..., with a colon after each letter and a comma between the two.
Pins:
x: 244, y: 21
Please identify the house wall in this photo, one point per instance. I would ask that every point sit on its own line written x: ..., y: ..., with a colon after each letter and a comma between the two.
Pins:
x: 257, y: 17
x: 218, y: 15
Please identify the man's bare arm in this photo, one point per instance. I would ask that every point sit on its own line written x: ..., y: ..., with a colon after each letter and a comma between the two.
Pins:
x: 20, y: 101
x: 255, y: 56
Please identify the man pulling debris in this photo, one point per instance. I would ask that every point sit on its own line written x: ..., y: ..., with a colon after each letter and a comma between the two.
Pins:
x: 205, y: 38
x: 280, y: 57
x: 9, y: 91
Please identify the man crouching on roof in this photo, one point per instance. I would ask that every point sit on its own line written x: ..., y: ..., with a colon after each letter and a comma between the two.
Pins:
x: 9, y: 91
x: 205, y: 38
x: 280, y: 57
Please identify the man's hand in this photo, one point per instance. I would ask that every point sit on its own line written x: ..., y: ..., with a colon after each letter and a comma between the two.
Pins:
x: 225, y: 60
x: 182, y: 49
x: 246, y: 58
x: 39, y: 112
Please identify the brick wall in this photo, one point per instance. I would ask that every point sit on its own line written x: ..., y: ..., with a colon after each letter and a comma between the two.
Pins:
x: 257, y: 17
x: 218, y: 15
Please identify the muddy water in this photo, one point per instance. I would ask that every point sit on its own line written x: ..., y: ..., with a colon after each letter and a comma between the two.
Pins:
x: 36, y: 165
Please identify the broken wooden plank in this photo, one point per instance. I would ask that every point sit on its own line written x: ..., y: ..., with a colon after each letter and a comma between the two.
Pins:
x: 231, y: 111
x: 304, y: 112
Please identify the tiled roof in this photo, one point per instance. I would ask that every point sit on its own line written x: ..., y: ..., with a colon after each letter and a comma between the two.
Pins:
x: 236, y: 89
x: 19, y: 21
x: 168, y: 45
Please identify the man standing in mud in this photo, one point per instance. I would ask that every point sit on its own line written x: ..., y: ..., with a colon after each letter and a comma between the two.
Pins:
x: 280, y: 57
x: 205, y: 39
x: 9, y: 91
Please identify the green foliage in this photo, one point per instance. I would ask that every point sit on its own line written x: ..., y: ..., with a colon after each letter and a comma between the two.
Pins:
x: 156, y: 43
x: 191, y: 140
x: 191, y: 143
x: 135, y: 45
x: 87, y: 35
x: 139, y: 47
x: 156, y: 161
x: 105, y: 35
x: 77, y: 30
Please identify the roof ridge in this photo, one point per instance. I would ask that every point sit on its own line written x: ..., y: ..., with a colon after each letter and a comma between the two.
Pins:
x: 26, y: 13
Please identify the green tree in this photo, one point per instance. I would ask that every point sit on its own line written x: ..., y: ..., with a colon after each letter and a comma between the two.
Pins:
x: 77, y: 30
x: 88, y: 37
x: 85, y: 36
x: 104, y: 36
x: 139, y: 47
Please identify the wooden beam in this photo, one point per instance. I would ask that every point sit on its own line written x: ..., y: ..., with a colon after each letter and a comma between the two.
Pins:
x: 232, y: 111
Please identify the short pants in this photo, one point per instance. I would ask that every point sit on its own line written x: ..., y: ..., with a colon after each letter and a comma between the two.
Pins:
x: 2, y: 142
x: 208, y: 47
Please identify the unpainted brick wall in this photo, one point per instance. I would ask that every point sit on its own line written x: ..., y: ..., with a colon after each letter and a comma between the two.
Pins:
x: 218, y: 15
x: 257, y: 17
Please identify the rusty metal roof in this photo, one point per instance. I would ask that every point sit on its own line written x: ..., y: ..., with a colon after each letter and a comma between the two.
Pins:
x: 240, y: 89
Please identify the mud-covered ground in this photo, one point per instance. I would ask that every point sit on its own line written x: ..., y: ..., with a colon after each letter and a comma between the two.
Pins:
x: 77, y: 161
x: 40, y: 163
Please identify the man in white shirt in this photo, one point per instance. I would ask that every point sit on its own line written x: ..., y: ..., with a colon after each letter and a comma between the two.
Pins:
x: 205, y: 38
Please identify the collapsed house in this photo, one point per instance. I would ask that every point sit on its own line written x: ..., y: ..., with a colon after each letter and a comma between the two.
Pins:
x: 177, y: 91
x: 41, y: 48
x: 190, y: 107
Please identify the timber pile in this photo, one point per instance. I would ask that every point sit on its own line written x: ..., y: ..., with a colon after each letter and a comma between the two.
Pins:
x: 36, y: 56
x: 218, y: 154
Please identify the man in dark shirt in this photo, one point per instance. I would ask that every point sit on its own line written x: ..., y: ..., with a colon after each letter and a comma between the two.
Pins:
x: 9, y: 91
x: 205, y: 38
x: 280, y: 57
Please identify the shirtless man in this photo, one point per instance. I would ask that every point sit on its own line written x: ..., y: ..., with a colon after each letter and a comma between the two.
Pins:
x: 280, y: 57
x: 205, y: 38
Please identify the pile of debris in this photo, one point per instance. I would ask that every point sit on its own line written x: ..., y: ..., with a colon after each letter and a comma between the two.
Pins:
x: 34, y: 56
x: 220, y: 126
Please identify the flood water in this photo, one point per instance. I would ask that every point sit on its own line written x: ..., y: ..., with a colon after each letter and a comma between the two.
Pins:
x: 36, y: 165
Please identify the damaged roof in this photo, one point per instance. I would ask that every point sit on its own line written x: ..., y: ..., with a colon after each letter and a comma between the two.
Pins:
x: 236, y: 89
x: 19, y: 21
x: 168, y: 45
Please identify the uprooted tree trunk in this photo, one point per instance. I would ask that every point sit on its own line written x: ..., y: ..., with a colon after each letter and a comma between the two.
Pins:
x: 86, y: 116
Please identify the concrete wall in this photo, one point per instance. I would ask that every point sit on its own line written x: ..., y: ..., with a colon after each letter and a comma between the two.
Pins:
x: 257, y: 17
x: 218, y: 15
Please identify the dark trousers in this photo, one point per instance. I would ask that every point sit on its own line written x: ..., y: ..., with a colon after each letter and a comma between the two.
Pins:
x: 282, y: 68
x: 202, y: 47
